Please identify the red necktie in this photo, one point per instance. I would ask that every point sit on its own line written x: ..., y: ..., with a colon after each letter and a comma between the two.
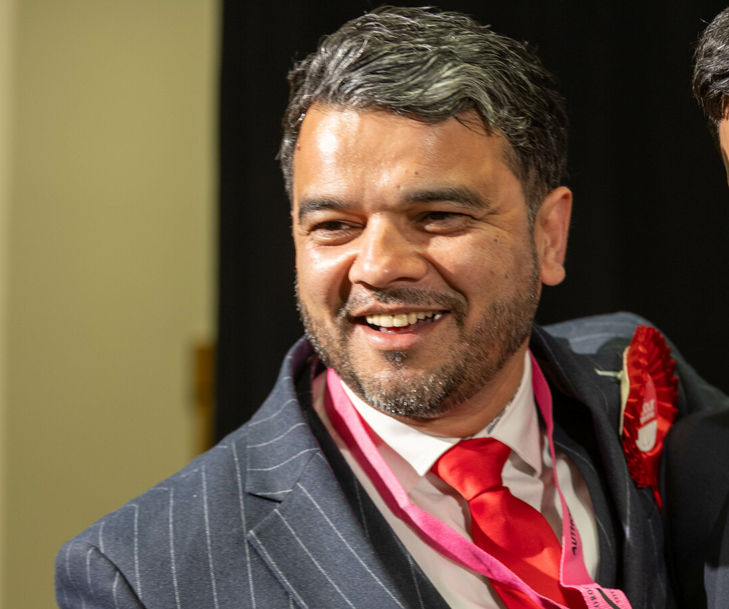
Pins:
x: 507, y: 528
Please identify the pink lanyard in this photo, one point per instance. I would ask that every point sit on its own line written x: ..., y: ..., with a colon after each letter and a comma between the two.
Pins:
x: 439, y: 535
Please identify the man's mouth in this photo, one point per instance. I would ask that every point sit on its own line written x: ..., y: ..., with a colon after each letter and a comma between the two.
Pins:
x: 401, y: 322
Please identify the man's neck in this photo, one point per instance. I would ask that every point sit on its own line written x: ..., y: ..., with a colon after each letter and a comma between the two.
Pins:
x: 477, y: 412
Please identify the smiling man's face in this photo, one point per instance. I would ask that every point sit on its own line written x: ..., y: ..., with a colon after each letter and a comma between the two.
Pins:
x: 418, y: 270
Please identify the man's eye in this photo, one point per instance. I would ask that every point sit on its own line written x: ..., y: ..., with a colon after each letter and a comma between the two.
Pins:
x: 333, y: 232
x: 444, y: 218
x: 332, y: 226
x: 435, y: 216
x: 444, y: 221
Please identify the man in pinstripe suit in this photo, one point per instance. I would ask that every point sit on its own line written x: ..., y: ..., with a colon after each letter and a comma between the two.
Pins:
x: 423, y: 155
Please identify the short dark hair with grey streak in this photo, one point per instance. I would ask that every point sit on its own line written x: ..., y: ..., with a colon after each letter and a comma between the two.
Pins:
x: 430, y: 66
x: 711, y: 71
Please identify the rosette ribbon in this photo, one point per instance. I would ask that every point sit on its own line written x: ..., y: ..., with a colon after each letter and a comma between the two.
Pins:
x: 649, y: 394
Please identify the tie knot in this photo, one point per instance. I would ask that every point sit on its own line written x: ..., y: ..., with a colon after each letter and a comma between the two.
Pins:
x: 473, y: 466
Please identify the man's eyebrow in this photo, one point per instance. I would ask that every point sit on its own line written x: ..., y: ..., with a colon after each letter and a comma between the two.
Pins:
x: 314, y: 204
x: 447, y: 194
x: 460, y: 195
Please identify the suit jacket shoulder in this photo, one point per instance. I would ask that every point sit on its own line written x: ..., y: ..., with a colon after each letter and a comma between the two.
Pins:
x: 613, y: 332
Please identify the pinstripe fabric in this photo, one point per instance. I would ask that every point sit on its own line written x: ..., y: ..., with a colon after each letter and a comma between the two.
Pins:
x: 273, y: 517
x: 258, y: 521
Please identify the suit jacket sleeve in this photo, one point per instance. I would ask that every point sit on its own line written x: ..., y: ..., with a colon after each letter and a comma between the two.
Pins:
x: 85, y: 577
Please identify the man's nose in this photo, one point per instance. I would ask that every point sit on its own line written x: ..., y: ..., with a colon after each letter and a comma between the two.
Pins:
x: 386, y: 255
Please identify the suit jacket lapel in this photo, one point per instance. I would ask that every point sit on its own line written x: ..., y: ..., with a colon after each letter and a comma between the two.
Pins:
x: 402, y: 569
x: 310, y: 537
x: 641, y: 570
x: 605, y: 517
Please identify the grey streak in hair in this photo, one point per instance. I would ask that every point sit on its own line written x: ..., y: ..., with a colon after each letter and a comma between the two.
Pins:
x: 431, y: 66
x: 711, y: 71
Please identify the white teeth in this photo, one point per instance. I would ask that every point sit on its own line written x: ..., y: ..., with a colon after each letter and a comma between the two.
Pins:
x: 386, y: 321
x: 401, y: 319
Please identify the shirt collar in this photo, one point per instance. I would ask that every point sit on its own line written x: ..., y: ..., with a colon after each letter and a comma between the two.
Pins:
x: 517, y: 426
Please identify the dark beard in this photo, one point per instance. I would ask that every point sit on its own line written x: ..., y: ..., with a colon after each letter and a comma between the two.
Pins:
x: 473, y: 363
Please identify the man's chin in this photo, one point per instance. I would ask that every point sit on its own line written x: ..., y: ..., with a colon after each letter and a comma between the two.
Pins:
x: 390, y: 367
x: 398, y: 389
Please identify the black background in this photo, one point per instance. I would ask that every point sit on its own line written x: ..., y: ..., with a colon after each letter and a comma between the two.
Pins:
x: 651, y: 214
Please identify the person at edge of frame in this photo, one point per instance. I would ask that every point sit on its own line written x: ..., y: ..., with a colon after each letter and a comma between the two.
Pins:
x: 419, y: 439
x: 696, y: 461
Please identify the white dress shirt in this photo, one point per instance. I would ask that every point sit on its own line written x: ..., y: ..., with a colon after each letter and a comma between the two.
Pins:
x: 410, y: 453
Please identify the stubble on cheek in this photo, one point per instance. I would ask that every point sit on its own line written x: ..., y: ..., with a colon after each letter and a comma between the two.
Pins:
x: 326, y: 345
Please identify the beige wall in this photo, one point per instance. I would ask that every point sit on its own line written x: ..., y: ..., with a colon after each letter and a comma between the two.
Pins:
x: 7, y: 39
x: 107, y: 263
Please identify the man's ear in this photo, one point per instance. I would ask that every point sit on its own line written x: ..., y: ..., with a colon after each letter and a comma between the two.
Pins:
x: 550, y: 234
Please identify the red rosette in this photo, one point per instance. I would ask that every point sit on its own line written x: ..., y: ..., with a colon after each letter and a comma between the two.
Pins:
x: 650, y: 407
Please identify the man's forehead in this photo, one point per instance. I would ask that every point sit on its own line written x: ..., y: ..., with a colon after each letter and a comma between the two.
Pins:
x: 331, y: 129
x: 349, y: 158
x: 351, y: 138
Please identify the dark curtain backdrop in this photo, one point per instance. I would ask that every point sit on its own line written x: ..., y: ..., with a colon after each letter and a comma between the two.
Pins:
x: 651, y: 218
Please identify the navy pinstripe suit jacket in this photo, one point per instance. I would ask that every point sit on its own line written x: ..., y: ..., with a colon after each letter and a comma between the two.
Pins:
x: 273, y: 517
